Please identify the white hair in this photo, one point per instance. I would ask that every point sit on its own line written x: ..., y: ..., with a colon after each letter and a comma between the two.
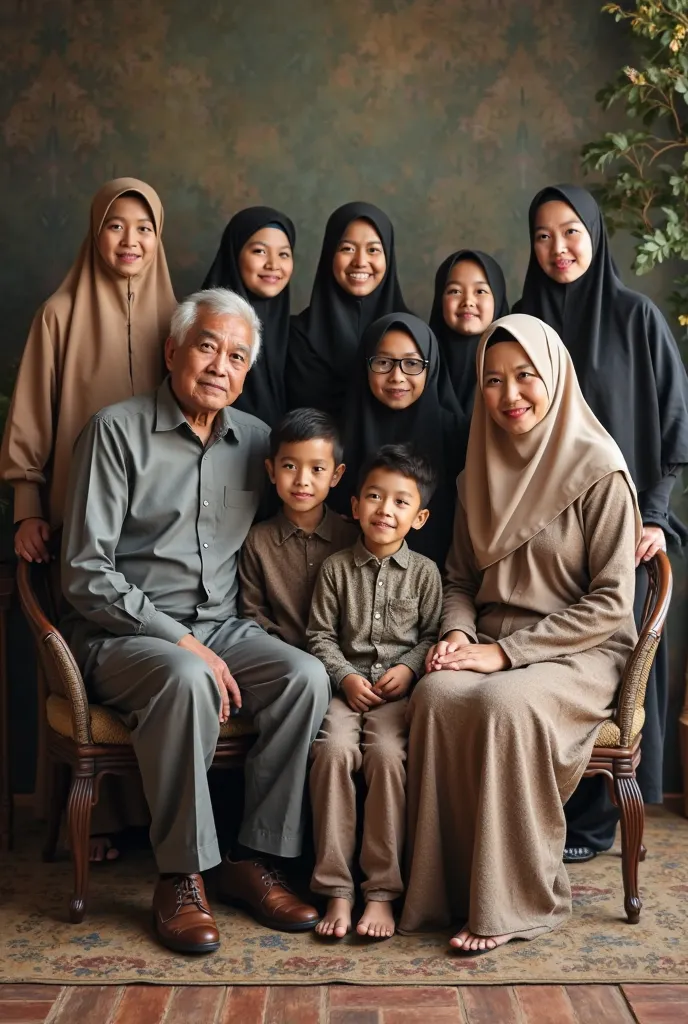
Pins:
x: 222, y: 302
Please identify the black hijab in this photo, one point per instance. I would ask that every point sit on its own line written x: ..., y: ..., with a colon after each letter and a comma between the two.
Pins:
x: 324, y: 338
x: 457, y: 351
x: 433, y: 425
x: 264, y: 392
x: 626, y: 358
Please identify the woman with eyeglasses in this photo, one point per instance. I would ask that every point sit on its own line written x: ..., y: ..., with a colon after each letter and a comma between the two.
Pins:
x: 396, y: 397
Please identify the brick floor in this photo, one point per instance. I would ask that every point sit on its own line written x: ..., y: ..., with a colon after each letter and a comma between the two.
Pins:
x: 345, y: 1004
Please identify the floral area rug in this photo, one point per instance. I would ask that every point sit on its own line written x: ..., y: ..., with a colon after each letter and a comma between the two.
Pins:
x: 114, y: 945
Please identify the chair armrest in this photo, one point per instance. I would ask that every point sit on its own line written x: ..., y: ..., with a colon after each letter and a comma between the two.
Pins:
x: 62, y: 674
x: 637, y: 671
x: 634, y: 685
x: 63, y: 665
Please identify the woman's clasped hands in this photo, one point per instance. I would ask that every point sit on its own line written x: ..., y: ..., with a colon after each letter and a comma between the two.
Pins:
x: 457, y: 653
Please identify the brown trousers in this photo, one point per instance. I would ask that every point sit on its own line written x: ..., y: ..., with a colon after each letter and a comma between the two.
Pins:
x: 347, y: 741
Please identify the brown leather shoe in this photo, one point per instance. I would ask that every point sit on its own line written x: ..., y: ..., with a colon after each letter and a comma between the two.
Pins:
x: 183, y: 921
x: 264, y: 892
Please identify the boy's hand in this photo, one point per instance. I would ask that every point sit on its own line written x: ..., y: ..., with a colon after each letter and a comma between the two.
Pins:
x: 395, y: 683
x: 226, y: 683
x: 440, y: 655
x: 359, y: 693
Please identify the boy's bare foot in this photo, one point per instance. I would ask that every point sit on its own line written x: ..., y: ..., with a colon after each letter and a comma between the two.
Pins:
x: 100, y: 848
x: 467, y: 942
x: 377, y: 920
x: 337, y: 920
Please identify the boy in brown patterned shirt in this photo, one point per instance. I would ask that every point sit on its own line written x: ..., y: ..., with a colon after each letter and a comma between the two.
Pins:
x: 375, y: 614
x: 281, y: 558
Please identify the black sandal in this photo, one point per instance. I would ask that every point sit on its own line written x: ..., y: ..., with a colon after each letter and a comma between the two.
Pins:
x: 578, y: 854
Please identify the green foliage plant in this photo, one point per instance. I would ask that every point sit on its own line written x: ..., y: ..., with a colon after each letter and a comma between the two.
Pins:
x: 645, y: 190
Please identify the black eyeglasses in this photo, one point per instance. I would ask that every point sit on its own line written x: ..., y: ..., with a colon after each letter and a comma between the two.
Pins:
x: 382, y: 364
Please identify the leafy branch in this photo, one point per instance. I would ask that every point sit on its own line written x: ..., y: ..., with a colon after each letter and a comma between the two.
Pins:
x: 646, y: 166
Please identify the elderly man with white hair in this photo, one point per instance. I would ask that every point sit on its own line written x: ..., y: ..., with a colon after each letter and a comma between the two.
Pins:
x: 164, y: 488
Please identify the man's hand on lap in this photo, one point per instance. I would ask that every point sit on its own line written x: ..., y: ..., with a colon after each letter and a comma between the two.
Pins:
x: 226, y: 684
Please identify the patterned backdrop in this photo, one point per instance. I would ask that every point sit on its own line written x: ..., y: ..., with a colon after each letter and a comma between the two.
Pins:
x: 450, y: 114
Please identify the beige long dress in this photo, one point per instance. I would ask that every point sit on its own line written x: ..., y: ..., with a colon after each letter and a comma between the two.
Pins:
x: 493, y: 757
x: 97, y: 340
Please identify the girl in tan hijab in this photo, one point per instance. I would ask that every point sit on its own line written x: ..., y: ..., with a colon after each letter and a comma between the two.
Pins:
x: 537, y: 624
x: 97, y: 340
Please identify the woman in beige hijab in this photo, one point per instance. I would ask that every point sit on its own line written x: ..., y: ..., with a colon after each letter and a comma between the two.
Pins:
x: 97, y: 340
x: 536, y: 627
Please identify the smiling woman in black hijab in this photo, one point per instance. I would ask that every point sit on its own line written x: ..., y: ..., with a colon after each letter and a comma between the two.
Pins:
x: 405, y: 403
x: 632, y: 375
x: 355, y: 283
x: 256, y: 260
x: 470, y: 292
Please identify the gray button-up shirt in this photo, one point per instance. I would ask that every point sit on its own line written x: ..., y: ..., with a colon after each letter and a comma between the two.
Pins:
x: 154, y: 520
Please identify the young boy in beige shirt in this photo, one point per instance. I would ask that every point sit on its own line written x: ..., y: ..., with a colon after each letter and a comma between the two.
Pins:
x: 281, y: 557
x: 375, y: 614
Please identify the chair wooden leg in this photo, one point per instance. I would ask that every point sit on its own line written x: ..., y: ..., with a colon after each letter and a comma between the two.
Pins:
x: 79, y: 816
x: 632, y: 810
x: 61, y: 775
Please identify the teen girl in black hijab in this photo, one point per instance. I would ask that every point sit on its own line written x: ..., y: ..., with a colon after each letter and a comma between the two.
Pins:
x: 632, y: 375
x: 256, y: 260
x: 470, y: 292
x: 405, y: 403
x: 355, y: 283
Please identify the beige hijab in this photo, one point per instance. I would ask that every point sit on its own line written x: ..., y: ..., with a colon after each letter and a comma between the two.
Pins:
x: 97, y: 340
x: 515, y: 486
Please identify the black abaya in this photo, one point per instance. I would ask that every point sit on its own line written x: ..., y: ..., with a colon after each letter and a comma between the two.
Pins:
x: 433, y: 425
x: 457, y: 351
x: 632, y: 375
x: 264, y: 391
x: 324, y: 338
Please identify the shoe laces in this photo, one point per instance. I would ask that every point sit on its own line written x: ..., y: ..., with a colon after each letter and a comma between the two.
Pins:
x: 273, y: 876
x: 188, y: 893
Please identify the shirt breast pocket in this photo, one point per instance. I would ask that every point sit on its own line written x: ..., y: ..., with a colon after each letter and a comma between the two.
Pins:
x: 241, y: 499
x: 403, y: 617
x: 239, y: 508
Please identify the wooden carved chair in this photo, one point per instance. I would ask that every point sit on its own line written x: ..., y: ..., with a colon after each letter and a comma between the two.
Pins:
x: 616, y: 754
x: 86, y: 741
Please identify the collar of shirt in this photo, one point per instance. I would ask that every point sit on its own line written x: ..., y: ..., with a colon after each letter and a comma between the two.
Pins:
x: 169, y: 415
x: 362, y: 555
x: 287, y: 529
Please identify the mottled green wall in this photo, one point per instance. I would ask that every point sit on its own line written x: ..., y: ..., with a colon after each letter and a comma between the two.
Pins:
x: 449, y: 114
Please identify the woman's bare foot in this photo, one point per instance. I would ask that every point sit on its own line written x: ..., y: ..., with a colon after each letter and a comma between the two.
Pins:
x: 377, y: 920
x: 467, y: 942
x: 100, y: 848
x: 337, y: 920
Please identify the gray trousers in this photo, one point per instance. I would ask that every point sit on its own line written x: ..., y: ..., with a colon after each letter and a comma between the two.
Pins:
x: 169, y: 699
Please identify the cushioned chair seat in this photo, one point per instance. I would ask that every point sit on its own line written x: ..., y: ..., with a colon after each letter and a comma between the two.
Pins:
x: 610, y: 735
x: 108, y: 727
